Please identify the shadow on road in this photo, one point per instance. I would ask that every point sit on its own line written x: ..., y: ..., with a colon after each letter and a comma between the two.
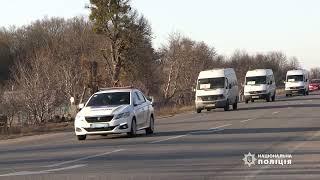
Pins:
x: 281, y: 106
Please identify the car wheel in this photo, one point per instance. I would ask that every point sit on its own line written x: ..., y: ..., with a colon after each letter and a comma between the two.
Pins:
x: 133, y: 131
x: 82, y: 137
x: 287, y: 95
x: 150, y: 129
x: 227, y: 107
x: 198, y: 110
x: 252, y: 100
x: 247, y: 101
x: 208, y: 109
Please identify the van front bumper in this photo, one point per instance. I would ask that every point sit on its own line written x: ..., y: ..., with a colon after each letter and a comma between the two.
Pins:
x: 211, y: 104
x: 256, y: 96
x: 295, y: 91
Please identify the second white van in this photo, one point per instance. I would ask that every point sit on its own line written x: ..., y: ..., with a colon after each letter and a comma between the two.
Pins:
x: 260, y: 84
x: 217, y: 88
x: 297, y: 82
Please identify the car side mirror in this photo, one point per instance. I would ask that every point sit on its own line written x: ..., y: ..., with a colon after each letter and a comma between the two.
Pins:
x: 151, y: 99
x: 80, y: 106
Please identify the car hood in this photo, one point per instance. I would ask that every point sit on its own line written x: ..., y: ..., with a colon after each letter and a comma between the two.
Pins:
x: 250, y: 88
x: 103, y: 110
x: 294, y: 84
x: 210, y: 92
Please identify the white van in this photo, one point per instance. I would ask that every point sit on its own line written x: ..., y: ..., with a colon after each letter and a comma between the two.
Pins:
x: 260, y: 84
x: 217, y: 88
x: 297, y: 82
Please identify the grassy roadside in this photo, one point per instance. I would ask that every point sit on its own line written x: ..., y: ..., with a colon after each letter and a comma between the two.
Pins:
x: 68, y: 126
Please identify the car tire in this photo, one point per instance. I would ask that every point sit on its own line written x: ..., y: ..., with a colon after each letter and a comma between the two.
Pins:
x: 81, y: 137
x: 247, y: 101
x: 227, y: 107
x: 208, y: 110
x: 252, y: 100
x: 287, y: 95
x: 198, y: 110
x: 150, y: 129
x: 133, y: 130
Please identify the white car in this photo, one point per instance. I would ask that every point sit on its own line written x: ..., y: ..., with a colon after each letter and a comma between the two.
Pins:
x: 115, y: 111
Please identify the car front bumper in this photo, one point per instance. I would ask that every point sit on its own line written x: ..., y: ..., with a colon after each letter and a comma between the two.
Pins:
x: 113, y: 127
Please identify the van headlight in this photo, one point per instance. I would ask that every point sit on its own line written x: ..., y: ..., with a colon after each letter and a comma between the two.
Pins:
x: 122, y: 115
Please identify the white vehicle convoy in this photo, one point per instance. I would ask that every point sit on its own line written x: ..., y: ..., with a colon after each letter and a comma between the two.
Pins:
x: 217, y: 88
x: 260, y: 84
x: 297, y: 82
x: 115, y: 111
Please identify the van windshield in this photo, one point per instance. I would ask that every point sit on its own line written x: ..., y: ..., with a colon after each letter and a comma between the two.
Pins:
x: 256, y: 80
x: 295, y: 78
x: 211, y: 83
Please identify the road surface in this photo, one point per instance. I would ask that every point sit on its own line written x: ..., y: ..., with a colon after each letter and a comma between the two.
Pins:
x: 210, y: 145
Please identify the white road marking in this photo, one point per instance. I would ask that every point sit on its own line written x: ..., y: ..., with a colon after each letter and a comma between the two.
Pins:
x: 220, y: 126
x: 275, y: 112
x: 175, y: 137
x: 23, y: 173
x: 84, y: 158
x: 246, y: 120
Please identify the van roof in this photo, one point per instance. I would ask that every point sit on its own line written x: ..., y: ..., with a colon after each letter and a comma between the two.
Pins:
x: 259, y: 72
x: 297, y: 72
x: 220, y: 72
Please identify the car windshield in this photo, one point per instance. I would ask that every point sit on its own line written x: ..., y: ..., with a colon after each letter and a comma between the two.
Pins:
x: 294, y: 78
x: 211, y: 83
x: 256, y: 80
x: 109, y: 99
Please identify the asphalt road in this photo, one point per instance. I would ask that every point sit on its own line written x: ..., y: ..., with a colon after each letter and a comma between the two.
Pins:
x: 210, y: 145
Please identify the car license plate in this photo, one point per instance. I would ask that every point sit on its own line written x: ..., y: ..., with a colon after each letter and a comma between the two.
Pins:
x: 295, y: 91
x: 255, y: 97
x: 99, y: 125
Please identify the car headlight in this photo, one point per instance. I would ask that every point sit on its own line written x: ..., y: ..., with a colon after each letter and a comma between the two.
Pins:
x: 79, y: 118
x: 122, y: 115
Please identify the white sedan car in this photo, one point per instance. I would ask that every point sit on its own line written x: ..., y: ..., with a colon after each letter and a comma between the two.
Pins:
x: 115, y: 111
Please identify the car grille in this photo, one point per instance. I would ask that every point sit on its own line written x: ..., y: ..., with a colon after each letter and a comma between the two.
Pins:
x: 210, y: 98
x: 100, y: 129
x: 99, y: 119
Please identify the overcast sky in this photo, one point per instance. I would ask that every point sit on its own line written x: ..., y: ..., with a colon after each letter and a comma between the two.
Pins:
x: 291, y: 26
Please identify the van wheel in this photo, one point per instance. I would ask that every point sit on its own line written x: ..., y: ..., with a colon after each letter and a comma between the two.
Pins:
x: 227, y: 107
x: 274, y: 97
x: 235, y: 105
x: 82, y: 137
x: 198, y: 110
x: 268, y: 98
x: 133, y: 131
x: 150, y: 129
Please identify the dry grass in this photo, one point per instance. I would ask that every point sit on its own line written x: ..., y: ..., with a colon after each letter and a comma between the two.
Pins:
x: 171, y: 111
x: 15, y: 132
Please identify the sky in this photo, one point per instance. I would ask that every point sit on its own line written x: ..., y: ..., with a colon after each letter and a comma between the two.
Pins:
x: 257, y: 26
